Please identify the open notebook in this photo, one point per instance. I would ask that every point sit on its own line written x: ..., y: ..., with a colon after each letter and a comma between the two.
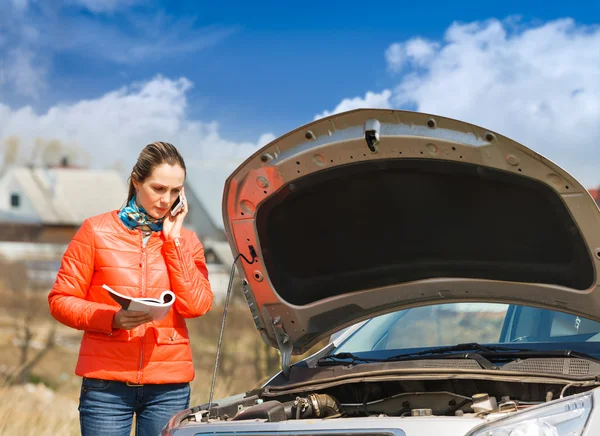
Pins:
x: 157, y: 307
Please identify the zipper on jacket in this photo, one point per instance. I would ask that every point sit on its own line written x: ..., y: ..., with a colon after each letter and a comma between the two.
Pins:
x: 144, y: 265
x: 183, y: 266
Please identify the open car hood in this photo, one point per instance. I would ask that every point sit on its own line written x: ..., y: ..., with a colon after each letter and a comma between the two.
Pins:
x: 370, y: 211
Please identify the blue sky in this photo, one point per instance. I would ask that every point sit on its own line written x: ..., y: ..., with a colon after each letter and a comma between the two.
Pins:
x: 264, y: 66
x: 241, y: 73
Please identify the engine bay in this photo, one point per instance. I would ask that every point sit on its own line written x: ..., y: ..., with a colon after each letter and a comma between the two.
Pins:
x: 429, y: 396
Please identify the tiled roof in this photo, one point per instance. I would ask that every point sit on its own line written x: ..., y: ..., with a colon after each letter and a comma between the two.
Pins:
x: 67, y: 196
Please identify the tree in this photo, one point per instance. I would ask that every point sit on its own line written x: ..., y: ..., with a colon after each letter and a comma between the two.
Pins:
x: 26, y: 307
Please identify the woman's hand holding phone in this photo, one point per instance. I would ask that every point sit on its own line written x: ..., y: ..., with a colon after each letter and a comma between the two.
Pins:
x: 174, y: 219
x: 177, y: 206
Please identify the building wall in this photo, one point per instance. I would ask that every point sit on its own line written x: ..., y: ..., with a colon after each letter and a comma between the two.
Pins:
x: 23, y: 232
x: 57, y: 234
x: 20, y: 232
x: 10, y: 185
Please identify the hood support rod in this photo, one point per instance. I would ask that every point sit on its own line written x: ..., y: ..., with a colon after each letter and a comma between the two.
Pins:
x: 229, y: 288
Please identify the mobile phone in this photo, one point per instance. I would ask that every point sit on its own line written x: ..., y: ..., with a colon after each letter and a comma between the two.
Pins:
x: 177, y: 206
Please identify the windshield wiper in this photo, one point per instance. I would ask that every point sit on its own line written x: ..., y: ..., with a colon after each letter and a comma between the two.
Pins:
x: 432, y: 353
x: 342, y: 358
x: 349, y: 358
x: 472, y: 346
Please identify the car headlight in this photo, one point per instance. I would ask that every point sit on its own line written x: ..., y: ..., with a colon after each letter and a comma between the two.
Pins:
x: 566, y: 417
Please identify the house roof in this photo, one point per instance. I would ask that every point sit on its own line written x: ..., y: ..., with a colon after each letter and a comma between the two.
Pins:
x: 199, y: 220
x: 595, y: 193
x: 68, y: 196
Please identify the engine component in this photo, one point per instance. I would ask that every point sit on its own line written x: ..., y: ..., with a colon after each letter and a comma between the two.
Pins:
x: 272, y: 411
x: 315, y: 406
x: 483, y: 403
x: 312, y: 406
x: 421, y: 412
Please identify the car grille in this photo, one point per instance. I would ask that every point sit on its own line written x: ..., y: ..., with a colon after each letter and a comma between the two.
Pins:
x: 449, y: 363
x: 554, y: 366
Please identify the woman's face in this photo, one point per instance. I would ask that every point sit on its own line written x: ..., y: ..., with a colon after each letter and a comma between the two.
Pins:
x: 159, y: 191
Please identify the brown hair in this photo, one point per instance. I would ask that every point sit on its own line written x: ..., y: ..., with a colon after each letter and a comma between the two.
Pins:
x: 153, y: 155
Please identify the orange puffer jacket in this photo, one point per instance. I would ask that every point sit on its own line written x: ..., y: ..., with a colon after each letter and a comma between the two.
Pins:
x: 104, y: 251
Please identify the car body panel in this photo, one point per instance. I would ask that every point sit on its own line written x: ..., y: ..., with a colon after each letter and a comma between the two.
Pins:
x: 376, y: 426
x: 312, y: 156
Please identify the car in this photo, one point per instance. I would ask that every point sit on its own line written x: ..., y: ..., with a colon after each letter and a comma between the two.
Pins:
x: 455, y: 271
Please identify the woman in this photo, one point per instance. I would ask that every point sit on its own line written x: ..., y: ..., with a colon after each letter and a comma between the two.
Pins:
x: 131, y: 364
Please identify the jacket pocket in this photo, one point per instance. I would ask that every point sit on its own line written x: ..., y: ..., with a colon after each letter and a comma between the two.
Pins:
x: 117, y: 335
x: 172, y: 336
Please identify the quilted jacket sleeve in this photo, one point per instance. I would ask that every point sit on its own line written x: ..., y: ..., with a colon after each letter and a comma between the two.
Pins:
x: 188, y: 275
x: 67, y: 299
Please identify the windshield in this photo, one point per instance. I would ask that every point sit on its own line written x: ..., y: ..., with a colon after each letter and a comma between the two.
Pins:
x: 484, y: 323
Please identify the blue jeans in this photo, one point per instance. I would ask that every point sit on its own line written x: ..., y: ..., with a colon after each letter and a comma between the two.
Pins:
x: 106, y: 407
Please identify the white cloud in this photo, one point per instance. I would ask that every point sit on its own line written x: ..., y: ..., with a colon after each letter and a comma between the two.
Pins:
x: 420, y: 50
x: 539, y: 86
x: 22, y: 68
x: 117, y: 125
x: 416, y: 51
x: 395, y: 55
x: 371, y: 100
x: 27, y: 73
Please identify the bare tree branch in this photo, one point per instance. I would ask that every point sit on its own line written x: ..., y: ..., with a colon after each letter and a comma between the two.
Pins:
x: 28, y: 365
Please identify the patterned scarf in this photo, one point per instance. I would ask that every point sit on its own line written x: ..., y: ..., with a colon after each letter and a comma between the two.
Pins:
x: 134, y: 216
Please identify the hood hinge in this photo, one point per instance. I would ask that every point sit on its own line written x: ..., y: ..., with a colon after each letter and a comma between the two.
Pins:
x: 284, y: 344
x: 252, y: 305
